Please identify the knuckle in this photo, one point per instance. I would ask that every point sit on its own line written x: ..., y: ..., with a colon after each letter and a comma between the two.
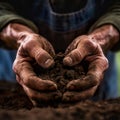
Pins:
x: 26, y: 82
x: 30, y: 41
x: 40, y: 54
x: 76, y: 54
x: 104, y: 62
x: 31, y: 95
x: 90, y: 44
x: 15, y: 66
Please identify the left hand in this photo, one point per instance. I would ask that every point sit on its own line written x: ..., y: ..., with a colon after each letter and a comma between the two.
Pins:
x: 90, y: 48
x: 85, y: 48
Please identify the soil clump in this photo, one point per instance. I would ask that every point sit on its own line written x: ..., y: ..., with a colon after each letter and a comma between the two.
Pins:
x: 15, y: 104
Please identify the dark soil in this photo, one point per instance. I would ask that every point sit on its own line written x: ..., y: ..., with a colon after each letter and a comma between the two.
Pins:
x: 15, y: 105
x: 60, y: 73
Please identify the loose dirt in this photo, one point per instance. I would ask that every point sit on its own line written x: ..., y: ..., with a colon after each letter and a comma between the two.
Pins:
x: 15, y: 105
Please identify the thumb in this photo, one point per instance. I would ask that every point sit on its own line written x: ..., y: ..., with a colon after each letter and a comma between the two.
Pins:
x: 73, y: 58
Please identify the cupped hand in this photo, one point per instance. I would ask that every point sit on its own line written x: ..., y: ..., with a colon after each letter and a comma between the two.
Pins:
x: 85, y: 48
x: 34, y: 48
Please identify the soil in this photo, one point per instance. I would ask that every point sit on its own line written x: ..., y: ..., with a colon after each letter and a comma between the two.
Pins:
x: 61, y: 74
x: 15, y: 105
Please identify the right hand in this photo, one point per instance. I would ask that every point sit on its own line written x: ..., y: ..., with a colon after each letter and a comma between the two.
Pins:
x: 33, y: 48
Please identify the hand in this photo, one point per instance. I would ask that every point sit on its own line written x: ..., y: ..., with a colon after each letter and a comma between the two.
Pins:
x: 89, y: 48
x: 36, y: 48
x: 32, y: 48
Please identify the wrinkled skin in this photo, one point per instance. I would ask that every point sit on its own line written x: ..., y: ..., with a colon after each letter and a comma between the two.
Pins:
x: 84, y: 47
x: 32, y: 48
x: 35, y: 48
x: 89, y: 48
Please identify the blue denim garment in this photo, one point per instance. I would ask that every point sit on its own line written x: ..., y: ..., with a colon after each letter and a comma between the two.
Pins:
x: 108, y: 88
x: 6, y: 61
x: 110, y: 78
x: 61, y: 29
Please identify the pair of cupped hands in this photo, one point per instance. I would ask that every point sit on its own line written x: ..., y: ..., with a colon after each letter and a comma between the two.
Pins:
x: 33, y: 47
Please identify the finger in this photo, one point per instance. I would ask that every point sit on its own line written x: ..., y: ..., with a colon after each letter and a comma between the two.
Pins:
x: 93, y: 77
x: 73, y: 58
x: 37, y: 51
x: 83, y: 83
x: 84, y: 47
x: 38, y: 97
x: 42, y: 57
x: 27, y: 77
x: 98, y: 65
x: 72, y: 96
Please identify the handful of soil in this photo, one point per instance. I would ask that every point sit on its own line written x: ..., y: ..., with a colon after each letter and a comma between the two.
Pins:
x: 61, y: 74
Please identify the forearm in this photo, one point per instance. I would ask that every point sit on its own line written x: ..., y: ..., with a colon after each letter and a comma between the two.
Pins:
x: 12, y: 33
x: 107, y: 36
x: 109, y: 27
x: 7, y: 16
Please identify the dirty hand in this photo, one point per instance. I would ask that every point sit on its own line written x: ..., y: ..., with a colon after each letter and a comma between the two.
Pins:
x: 90, y: 48
x: 32, y: 48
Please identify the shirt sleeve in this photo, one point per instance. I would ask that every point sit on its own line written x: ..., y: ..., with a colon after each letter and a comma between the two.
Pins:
x: 112, y: 16
x: 8, y: 15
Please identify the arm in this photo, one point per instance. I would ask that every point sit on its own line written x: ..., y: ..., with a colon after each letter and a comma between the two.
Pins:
x: 21, y: 34
x: 8, y: 15
x: 103, y: 36
x: 112, y: 18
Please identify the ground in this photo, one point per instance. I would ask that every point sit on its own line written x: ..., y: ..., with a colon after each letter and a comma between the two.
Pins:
x: 14, y: 104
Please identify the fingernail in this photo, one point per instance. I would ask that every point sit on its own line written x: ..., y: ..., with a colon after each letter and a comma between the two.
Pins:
x: 67, y: 61
x: 53, y: 87
x: 49, y: 62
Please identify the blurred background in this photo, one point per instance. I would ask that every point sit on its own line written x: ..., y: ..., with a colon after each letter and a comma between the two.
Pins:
x: 118, y: 67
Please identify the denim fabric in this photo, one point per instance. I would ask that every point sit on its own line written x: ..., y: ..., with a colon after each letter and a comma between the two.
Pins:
x: 111, y: 77
x: 61, y: 29
x: 68, y: 21
x: 6, y: 61
x: 109, y: 87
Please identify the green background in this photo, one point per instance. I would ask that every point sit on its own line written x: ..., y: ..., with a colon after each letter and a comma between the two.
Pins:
x: 118, y: 68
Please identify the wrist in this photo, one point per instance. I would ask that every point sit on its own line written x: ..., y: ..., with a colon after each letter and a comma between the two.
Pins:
x: 106, y: 36
x: 11, y: 33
